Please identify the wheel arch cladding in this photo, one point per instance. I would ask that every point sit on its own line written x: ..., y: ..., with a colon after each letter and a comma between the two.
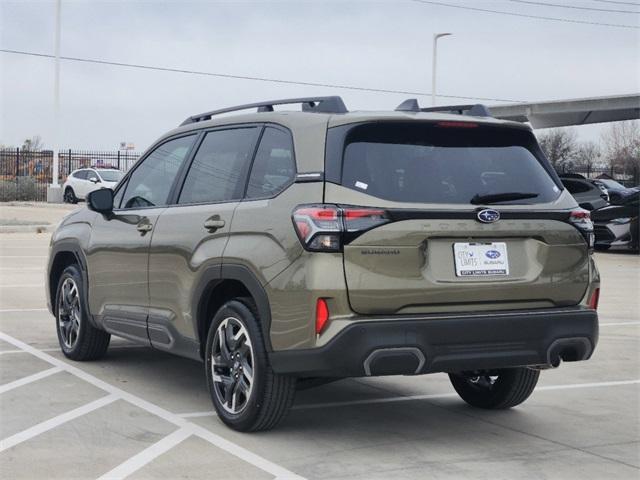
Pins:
x: 62, y: 256
x: 218, y: 285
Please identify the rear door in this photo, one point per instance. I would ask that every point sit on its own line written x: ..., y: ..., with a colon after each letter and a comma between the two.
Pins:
x: 434, y: 251
x: 191, y: 235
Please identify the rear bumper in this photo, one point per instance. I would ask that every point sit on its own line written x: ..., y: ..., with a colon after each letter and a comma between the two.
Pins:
x: 448, y: 343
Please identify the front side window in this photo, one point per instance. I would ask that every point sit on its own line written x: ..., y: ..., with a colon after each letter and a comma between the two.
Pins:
x: 149, y: 185
x: 219, y: 168
x: 433, y: 163
x: 274, y: 166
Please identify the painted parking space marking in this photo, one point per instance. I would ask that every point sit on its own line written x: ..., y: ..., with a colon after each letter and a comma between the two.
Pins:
x: 618, y: 324
x: 20, y: 310
x: 31, y: 378
x: 149, y: 454
x: 54, y: 422
x: 118, y: 394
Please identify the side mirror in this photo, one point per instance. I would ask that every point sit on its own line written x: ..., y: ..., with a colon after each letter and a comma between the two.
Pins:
x: 94, y: 179
x: 101, y: 200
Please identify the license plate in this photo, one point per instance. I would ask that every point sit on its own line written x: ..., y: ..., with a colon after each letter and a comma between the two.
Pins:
x: 481, y: 259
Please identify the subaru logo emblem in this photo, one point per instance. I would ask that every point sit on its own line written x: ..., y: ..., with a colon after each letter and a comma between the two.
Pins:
x: 488, y: 215
x: 492, y: 254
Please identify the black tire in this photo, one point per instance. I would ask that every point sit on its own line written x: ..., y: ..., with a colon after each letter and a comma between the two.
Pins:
x: 70, y: 196
x: 497, y: 390
x: 270, y: 395
x: 88, y: 343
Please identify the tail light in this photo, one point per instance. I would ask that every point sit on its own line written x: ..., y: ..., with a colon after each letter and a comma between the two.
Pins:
x: 581, y: 219
x: 595, y: 298
x: 322, y: 314
x: 326, y: 228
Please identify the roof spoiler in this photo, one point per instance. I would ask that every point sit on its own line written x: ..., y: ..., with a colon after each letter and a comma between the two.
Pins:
x: 477, y: 110
x: 332, y: 104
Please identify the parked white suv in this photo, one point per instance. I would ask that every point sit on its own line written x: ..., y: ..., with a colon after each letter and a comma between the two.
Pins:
x: 85, y: 180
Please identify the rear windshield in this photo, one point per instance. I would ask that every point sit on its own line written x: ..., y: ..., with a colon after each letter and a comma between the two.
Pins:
x: 434, y: 163
x: 111, y: 175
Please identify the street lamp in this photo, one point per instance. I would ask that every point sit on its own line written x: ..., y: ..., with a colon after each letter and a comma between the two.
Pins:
x: 436, y: 36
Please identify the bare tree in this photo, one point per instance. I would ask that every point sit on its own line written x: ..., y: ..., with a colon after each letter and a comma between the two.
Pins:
x: 33, y: 144
x: 559, y: 145
x: 622, y: 145
x: 587, y: 155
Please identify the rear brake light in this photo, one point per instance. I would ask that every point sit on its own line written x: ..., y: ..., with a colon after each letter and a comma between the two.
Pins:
x: 581, y: 219
x: 595, y: 298
x: 326, y: 228
x: 457, y: 124
x: 322, y: 314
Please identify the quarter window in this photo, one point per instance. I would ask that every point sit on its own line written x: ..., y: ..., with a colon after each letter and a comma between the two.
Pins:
x: 219, y: 168
x: 274, y: 166
x: 150, y: 183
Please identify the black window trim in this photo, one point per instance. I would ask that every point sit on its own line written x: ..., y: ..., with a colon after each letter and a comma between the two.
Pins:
x: 124, y: 182
x: 253, y: 159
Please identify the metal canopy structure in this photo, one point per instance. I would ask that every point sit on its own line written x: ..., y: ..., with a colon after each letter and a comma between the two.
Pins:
x: 564, y: 113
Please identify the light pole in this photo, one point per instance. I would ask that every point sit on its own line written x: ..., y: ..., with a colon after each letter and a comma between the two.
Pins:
x: 436, y: 36
x: 56, y: 95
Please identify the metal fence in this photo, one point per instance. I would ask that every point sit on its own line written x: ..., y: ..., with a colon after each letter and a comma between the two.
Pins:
x: 627, y: 176
x: 25, y: 175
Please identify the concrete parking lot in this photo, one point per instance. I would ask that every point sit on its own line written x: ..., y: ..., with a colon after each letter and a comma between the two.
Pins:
x: 140, y: 413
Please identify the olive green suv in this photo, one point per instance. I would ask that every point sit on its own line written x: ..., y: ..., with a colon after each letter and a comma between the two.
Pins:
x: 287, y: 248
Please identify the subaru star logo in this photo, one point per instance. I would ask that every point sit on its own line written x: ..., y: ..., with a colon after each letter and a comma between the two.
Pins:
x: 492, y: 254
x: 488, y: 215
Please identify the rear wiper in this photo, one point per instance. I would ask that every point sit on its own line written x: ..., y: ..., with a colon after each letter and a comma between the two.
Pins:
x: 501, y: 197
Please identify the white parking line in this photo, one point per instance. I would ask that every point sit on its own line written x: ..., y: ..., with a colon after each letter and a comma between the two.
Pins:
x: 20, y: 310
x: 367, y: 401
x: 216, y: 440
x: 138, y: 461
x: 57, y: 349
x: 618, y: 324
x: 54, y: 422
x: 31, y: 378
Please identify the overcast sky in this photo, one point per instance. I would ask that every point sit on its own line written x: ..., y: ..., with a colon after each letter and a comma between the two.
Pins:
x: 374, y: 44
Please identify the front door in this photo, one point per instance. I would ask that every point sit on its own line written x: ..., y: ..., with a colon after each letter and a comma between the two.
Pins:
x: 118, y: 253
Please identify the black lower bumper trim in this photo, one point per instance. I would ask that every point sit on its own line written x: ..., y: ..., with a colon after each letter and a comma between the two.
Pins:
x: 448, y: 343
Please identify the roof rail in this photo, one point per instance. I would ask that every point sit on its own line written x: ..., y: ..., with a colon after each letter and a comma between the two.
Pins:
x: 332, y: 104
x: 477, y: 110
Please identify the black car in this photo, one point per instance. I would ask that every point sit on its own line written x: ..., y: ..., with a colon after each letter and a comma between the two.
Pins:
x: 588, y: 195
x: 618, y: 225
x: 615, y: 190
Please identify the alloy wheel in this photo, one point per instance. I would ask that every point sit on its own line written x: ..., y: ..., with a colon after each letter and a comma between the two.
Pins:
x: 69, y: 313
x: 232, y: 362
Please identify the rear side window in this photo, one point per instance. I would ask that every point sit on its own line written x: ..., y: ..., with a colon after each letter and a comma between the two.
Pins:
x: 80, y: 174
x: 220, y: 166
x: 431, y: 163
x: 274, y: 166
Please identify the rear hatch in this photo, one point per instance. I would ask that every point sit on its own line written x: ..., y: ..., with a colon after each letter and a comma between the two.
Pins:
x: 470, y: 217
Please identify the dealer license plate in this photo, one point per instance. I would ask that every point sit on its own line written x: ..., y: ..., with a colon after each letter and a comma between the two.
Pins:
x: 481, y: 259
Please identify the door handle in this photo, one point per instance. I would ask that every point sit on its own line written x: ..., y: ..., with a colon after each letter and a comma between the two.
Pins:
x: 144, y: 227
x: 213, y: 223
